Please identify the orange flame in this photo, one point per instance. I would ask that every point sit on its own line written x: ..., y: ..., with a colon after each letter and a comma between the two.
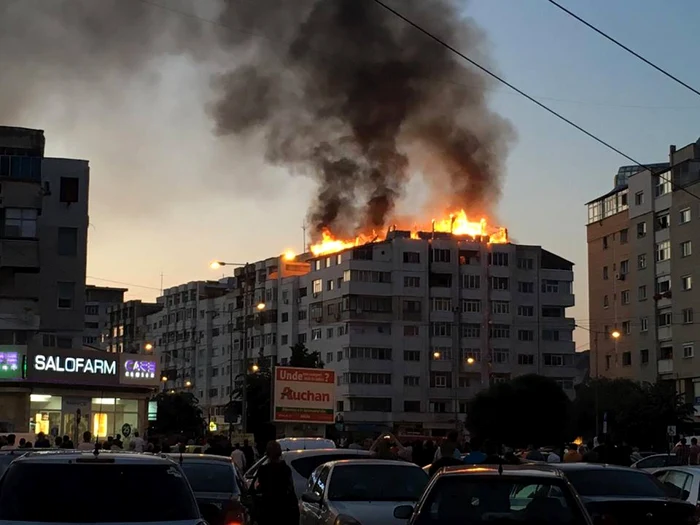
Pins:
x: 457, y: 223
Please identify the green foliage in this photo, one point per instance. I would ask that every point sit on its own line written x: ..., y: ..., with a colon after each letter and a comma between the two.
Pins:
x: 178, y: 414
x: 530, y: 409
x: 636, y: 412
x: 303, y: 358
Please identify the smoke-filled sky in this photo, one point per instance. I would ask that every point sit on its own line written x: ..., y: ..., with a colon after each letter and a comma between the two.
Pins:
x: 184, y: 172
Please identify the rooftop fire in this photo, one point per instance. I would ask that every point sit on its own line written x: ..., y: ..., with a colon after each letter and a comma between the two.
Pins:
x: 457, y: 224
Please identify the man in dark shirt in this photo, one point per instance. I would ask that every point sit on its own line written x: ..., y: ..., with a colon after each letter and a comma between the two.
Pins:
x: 682, y: 451
x: 41, y: 441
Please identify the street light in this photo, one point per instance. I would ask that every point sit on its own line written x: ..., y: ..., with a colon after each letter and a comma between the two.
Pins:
x: 436, y: 355
x: 188, y: 384
x: 470, y: 360
x: 260, y: 306
x: 164, y: 379
x: 255, y: 368
x: 148, y: 347
x: 615, y: 334
x: 215, y: 265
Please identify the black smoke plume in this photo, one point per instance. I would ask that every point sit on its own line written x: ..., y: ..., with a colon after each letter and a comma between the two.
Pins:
x: 343, y: 91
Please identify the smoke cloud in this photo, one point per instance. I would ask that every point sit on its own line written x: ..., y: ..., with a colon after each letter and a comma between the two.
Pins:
x: 338, y: 90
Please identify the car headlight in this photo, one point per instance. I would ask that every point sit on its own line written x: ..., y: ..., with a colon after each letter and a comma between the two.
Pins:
x: 344, y: 519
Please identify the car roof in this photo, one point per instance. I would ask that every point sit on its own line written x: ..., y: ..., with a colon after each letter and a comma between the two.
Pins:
x: 695, y: 469
x: 370, y: 462
x: 506, y: 470
x: 295, y: 454
x: 587, y: 466
x: 60, y: 456
x: 193, y: 456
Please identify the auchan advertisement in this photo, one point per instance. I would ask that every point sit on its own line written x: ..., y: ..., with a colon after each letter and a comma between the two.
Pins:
x: 304, y: 395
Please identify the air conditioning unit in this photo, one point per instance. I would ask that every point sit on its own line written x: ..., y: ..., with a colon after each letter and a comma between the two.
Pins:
x: 316, y: 295
x: 620, y: 276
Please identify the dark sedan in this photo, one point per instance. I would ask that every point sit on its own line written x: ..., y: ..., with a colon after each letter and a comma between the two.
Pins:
x: 217, y: 487
x: 624, y: 496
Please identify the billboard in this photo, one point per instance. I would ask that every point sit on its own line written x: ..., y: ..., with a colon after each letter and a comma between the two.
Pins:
x: 11, y: 364
x: 138, y: 370
x: 304, y: 395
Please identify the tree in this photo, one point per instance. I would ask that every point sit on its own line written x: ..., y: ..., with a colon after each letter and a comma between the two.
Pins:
x: 302, y: 357
x: 258, y: 400
x: 178, y: 414
x: 529, y: 409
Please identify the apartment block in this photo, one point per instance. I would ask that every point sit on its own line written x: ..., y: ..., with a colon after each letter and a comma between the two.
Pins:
x: 126, y: 330
x: 98, y: 300
x: 641, y: 261
x: 43, y: 244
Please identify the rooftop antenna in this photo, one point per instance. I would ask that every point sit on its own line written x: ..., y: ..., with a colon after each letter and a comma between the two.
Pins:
x: 161, y: 282
x: 303, y: 238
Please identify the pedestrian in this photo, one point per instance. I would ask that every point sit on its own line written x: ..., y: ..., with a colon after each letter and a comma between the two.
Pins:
x: 278, y: 499
x: 553, y: 457
x: 87, y: 442
x: 238, y: 457
x: 573, y: 455
x: 41, y: 441
x: 22, y: 443
x: 58, y: 442
x: 67, y: 443
x: 448, y: 448
x: 10, y: 443
x: 248, y: 453
x: 356, y: 445
x: 694, y: 451
x: 138, y: 442
x: 386, y: 446
x: 476, y: 456
x: 534, y: 454
x: 624, y: 454
x: 682, y: 452
x: 604, y: 451
x: 590, y: 455
x: 118, y: 441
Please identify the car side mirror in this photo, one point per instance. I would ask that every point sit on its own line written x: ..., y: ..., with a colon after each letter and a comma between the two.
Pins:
x: 311, y: 497
x: 403, y: 512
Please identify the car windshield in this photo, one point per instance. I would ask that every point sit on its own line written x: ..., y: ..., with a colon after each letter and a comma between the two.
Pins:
x: 376, y: 483
x: 97, y: 492
x: 456, y: 500
x: 210, y: 476
x: 606, y: 482
x: 306, y: 465
x: 5, y: 460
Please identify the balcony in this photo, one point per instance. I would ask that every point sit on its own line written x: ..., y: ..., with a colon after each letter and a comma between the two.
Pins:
x: 665, y: 366
x: 664, y: 333
x: 19, y: 253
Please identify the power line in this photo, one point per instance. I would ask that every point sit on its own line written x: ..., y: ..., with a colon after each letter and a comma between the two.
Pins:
x: 122, y: 282
x: 621, y: 45
x: 529, y: 97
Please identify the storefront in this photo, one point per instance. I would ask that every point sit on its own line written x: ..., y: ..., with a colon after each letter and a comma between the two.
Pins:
x: 66, y: 392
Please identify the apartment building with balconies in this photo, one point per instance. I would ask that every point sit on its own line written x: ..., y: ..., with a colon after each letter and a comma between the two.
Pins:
x: 127, y: 327
x: 98, y: 300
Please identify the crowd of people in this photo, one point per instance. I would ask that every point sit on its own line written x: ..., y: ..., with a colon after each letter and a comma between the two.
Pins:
x: 10, y: 442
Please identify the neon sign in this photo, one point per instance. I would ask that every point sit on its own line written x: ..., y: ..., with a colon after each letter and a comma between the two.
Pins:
x: 136, y: 369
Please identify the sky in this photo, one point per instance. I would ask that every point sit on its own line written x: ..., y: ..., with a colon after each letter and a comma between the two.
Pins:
x: 161, y: 204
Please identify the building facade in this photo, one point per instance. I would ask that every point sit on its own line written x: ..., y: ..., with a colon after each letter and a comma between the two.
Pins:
x: 126, y: 330
x: 98, y: 299
x: 413, y: 328
x: 641, y: 271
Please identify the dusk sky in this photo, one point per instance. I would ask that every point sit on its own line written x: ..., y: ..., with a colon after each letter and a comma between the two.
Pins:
x: 169, y: 196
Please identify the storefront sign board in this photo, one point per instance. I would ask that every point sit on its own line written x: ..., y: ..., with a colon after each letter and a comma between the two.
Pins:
x: 304, y: 395
x: 70, y: 405
x: 136, y: 369
x: 11, y: 362
x: 79, y: 367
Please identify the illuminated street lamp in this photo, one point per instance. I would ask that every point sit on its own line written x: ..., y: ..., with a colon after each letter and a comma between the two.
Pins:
x: 436, y: 355
x: 215, y: 265
x: 148, y: 347
x: 164, y: 379
x: 470, y: 360
x: 255, y: 368
x: 615, y: 334
x: 260, y: 306
x: 188, y: 384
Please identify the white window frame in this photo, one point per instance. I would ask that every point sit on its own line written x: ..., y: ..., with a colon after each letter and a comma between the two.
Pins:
x: 688, y: 350
x: 684, y: 216
x: 662, y: 251
x: 24, y: 219
x: 686, y: 282
x: 317, y: 286
x: 643, y: 324
x: 686, y: 249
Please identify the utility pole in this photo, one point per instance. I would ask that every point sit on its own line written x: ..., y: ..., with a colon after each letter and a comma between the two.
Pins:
x: 230, y: 367
x: 244, y: 371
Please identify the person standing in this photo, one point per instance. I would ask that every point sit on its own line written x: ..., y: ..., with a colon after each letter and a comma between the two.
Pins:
x: 534, y: 454
x: 248, y: 453
x: 238, y: 457
x: 87, y: 442
x: 41, y: 441
x: 10, y: 443
x: 67, y: 443
x: 573, y: 455
x: 138, y: 442
x: 449, y: 447
x: 694, y: 451
x: 278, y: 499
x: 682, y: 452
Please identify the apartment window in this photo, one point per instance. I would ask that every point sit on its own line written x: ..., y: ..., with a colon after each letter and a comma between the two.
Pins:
x: 438, y: 407
x: 285, y: 339
x: 662, y: 221
x: 499, y: 331
x: 66, y: 295
x: 605, y: 273
x: 68, y: 242
x: 687, y: 315
x: 411, y: 380
x: 411, y: 406
x: 366, y: 378
x: 626, y: 327
x: 471, y: 330
x: 471, y: 353
x: 328, y: 262
x: 440, y: 380
x: 95, y: 310
x: 471, y: 282
x: 606, y: 303
x: 301, y: 314
x: 441, y: 353
x: 329, y: 333
x: 558, y: 359
x: 644, y: 357
x: 500, y: 307
x: 368, y: 352
x: 549, y: 286
x: 639, y: 198
x: 687, y: 282
x: 411, y: 355
x: 625, y: 297
x: 411, y: 330
x: 316, y: 334
x: 526, y: 359
x: 411, y: 257
x: 339, y: 283
x: 643, y: 324
x: 526, y: 311
x: 663, y: 284
x: 526, y: 335
x: 69, y: 190
x: 666, y: 352
x: 626, y: 358
x: 501, y: 355
x: 665, y: 318
x: 20, y: 222
x: 412, y: 307
x: 641, y: 229
x: 624, y: 267
x: 662, y: 184
x: 438, y: 255
x: 684, y: 216
x: 341, y: 330
x: 301, y: 339
x: 330, y: 285
x: 605, y: 242
x: 410, y: 281
x: 552, y: 311
x: 623, y: 236
x: 686, y: 249
x: 499, y: 283
x: 317, y: 286
x: 498, y: 259
x: 441, y: 304
x: 525, y: 263
x: 440, y: 329
x: 526, y: 287
x: 472, y: 306
x: 550, y: 335
x: 663, y: 251
x: 641, y: 261
x: 688, y: 350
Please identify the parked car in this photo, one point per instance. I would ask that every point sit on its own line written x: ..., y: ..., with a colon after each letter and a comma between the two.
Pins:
x: 657, y: 461
x: 682, y: 482
x: 304, y: 462
x: 360, y: 491
x: 623, y: 495
x: 8, y: 456
x: 219, y: 490
x: 481, y: 494
x: 305, y: 443
x: 96, y: 489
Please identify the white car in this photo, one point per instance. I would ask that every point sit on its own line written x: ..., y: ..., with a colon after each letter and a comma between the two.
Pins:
x: 98, y: 489
x: 366, y: 492
x: 305, y: 443
x: 304, y: 462
x: 651, y: 463
x: 681, y: 482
